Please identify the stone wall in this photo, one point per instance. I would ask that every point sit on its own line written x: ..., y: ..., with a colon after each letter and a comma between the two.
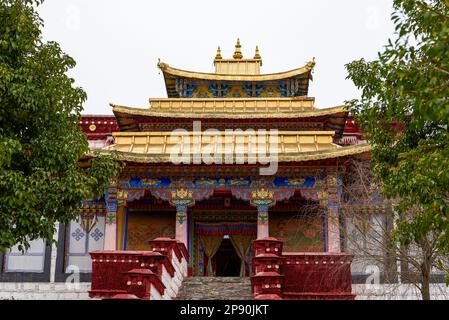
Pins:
x: 62, y: 291
x: 43, y: 291
x: 397, y: 292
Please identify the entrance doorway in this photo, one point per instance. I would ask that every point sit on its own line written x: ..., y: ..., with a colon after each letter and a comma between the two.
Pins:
x: 219, y: 244
x: 226, y: 261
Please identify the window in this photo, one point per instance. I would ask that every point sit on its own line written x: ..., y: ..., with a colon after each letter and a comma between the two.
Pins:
x: 30, y: 261
x: 366, y: 239
x: 80, y: 243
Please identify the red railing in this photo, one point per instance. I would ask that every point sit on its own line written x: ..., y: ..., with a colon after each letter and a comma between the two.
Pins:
x: 158, y: 273
x: 299, y: 276
x: 155, y: 274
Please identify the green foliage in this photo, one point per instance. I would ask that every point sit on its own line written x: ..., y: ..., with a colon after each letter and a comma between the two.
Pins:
x: 41, y: 143
x: 404, y: 110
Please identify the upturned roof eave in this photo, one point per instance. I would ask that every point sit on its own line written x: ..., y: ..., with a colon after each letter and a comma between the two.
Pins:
x: 282, y: 158
x: 167, y: 70
x: 312, y: 113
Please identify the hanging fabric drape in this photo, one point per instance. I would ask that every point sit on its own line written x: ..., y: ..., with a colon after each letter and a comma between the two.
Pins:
x: 210, y: 244
x: 242, y: 244
x: 211, y: 234
x: 228, y: 228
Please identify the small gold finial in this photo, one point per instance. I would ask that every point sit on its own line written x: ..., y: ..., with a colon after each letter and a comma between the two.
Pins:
x: 311, y: 64
x: 161, y: 64
x: 238, y: 51
x: 257, y: 54
x: 218, y: 55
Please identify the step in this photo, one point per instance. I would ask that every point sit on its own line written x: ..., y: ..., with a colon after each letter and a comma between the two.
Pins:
x: 215, y: 288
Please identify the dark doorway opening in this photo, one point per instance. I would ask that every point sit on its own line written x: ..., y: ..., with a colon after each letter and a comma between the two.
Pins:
x: 226, y: 261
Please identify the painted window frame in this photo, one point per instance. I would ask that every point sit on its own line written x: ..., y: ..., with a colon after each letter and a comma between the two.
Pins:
x: 62, y: 255
x: 17, y: 254
x: 87, y: 240
x: 17, y: 276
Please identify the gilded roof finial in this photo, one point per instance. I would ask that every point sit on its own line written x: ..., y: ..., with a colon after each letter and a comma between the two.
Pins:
x: 311, y: 64
x: 238, y: 51
x: 257, y: 54
x: 161, y: 64
x: 218, y: 55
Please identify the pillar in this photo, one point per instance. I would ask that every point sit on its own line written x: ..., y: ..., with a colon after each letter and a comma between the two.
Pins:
x: 110, y: 236
x: 333, y: 223
x: 181, y: 223
x: 110, y: 232
x: 54, y: 252
x: 332, y: 212
x: 262, y: 222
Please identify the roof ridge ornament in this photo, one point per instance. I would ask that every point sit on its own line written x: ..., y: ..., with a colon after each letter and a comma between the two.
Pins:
x: 257, y: 54
x: 238, y: 52
x: 218, y: 55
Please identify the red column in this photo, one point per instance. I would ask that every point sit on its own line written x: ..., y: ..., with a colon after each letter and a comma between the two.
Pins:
x: 262, y: 222
x: 333, y: 221
x: 181, y: 224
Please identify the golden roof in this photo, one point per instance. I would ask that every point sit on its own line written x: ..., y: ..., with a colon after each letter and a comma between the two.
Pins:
x: 157, y: 147
x: 238, y: 65
x: 245, y: 67
x: 249, y: 75
x: 231, y: 108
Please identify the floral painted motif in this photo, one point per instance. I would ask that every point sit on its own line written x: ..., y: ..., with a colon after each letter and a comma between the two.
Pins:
x: 184, y: 88
x: 253, y: 90
x: 219, y: 90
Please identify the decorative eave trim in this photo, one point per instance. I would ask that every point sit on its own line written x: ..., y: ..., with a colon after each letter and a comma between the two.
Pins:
x: 166, y: 69
x: 313, y: 113
x: 285, y: 157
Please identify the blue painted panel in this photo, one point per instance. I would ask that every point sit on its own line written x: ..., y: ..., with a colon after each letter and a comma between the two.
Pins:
x: 295, y: 182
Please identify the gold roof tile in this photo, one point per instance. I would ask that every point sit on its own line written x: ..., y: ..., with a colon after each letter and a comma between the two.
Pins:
x: 228, y: 76
x: 155, y: 147
x: 226, y: 108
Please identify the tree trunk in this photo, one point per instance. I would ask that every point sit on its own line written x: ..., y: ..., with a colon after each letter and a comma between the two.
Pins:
x: 426, y: 269
x: 425, y: 284
x: 391, y: 267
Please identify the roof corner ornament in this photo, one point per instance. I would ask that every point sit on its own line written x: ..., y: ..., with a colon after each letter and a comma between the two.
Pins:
x: 218, y: 55
x: 161, y: 64
x: 311, y: 64
x: 238, y: 50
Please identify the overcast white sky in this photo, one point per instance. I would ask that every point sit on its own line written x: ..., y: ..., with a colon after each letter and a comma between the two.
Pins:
x: 116, y: 43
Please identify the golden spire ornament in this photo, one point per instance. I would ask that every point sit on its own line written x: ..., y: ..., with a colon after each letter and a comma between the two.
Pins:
x: 238, y: 51
x: 218, y: 55
x: 257, y: 54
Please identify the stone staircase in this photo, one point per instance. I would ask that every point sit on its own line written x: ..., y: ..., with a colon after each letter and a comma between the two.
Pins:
x: 215, y: 288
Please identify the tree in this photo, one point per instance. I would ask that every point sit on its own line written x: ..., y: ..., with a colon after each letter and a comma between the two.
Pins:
x: 404, y: 111
x: 368, y: 223
x: 41, y: 180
